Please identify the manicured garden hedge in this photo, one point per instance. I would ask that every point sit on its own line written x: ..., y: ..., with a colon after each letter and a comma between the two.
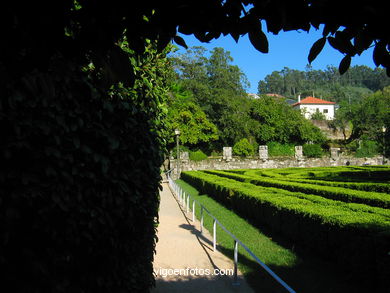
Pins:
x: 338, y: 193
x: 79, y: 177
x: 304, y: 178
x: 353, y: 235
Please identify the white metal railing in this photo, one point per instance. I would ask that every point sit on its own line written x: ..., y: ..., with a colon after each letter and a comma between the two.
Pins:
x: 184, y: 200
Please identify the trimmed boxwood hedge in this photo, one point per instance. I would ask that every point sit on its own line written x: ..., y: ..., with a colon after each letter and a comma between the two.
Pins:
x: 79, y: 179
x: 356, y: 238
x: 303, y: 178
x: 338, y: 193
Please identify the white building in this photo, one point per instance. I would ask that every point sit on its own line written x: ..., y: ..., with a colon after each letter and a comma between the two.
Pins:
x: 311, y: 105
x: 254, y: 96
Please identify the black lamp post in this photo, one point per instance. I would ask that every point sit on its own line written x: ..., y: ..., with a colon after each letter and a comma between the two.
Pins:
x: 177, y: 133
x: 384, y: 144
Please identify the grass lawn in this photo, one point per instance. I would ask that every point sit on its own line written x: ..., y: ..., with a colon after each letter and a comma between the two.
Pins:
x: 301, y: 271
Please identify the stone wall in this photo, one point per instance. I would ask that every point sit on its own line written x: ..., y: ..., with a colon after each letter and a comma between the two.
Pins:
x: 330, y: 132
x: 255, y: 163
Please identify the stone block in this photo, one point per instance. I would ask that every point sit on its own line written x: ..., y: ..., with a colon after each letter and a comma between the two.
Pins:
x: 299, y: 152
x: 184, y: 156
x: 334, y: 153
x: 227, y: 153
x: 263, y: 152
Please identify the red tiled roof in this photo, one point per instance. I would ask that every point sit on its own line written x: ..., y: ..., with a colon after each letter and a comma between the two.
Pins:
x: 312, y: 100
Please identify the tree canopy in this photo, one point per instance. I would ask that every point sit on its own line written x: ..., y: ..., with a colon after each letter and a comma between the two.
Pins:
x: 217, y: 87
x: 34, y: 32
x: 185, y: 115
x: 328, y: 83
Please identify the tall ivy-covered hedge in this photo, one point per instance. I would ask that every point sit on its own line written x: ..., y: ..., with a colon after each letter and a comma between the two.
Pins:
x: 79, y: 177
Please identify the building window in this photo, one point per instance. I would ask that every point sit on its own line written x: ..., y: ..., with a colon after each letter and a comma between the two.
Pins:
x: 325, y: 111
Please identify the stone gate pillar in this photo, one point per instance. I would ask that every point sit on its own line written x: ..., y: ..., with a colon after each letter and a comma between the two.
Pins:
x: 334, y: 153
x: 227, y: 153
x: 299, y: 152
x: 263, y: 152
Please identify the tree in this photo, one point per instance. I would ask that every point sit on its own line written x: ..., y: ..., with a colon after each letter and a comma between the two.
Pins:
x: 328, y: 84
x: 370, y: 116
x: 218, y: 87
x: 273, y: 83
x: 196, y: 130
x: 275, y: 120
x: 341, y: 119
x: 243, y: 148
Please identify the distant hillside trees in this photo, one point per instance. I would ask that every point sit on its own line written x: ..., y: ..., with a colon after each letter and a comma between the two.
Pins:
x: 356, y: 82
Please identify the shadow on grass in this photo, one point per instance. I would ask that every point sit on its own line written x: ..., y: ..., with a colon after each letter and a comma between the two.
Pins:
x: 309, y: 275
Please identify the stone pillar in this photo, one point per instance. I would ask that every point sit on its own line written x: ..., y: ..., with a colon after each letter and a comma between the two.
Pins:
x: 184, y: 160
x: 299, y: 152
x: 263, y: 152
x: 227, y: 153
x: 184, y: 156
x: 334, y: 153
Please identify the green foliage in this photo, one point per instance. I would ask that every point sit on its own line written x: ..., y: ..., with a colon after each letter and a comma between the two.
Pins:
x: 195, y: 128
x: 367, y: 149
x: 332, y: 176
x: 370, y: 115
x: 338, y: 231
x: 350, y: 87
x: 375, y: 199
x: 217, y: 87
x: 216, y: 154
x: 275, y: 120
x: 243, y: 148
x: 198, y: 156
x: 276, y: 149
x: 312, y: 150
x: 80, y: 172
x: 318, y: 116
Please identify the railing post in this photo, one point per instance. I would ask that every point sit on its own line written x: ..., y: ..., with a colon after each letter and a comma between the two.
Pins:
x: 214, y: 235
x: 188, y: 203
x: 235, y: 280
x: 193, y: 211
x: 201, y: 219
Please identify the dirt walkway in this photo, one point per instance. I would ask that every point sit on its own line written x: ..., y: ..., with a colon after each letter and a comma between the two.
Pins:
x: 185, y: 260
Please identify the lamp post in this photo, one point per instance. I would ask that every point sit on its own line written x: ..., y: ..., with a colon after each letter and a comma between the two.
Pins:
x: 177, y: 133
x: 384, y: 144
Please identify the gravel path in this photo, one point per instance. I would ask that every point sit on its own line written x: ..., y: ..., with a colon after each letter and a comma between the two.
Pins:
x: 185, y: 260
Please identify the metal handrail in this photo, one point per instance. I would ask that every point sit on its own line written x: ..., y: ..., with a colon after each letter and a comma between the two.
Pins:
x: 184, y: 200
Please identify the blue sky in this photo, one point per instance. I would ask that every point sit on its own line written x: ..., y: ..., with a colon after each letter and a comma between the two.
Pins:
x: 287, y: 49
